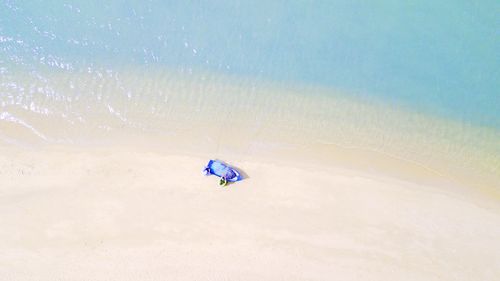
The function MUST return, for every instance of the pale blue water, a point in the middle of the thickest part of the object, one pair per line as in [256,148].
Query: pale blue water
[437,57]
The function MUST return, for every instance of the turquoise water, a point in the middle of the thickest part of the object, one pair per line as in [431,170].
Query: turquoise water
[435,57]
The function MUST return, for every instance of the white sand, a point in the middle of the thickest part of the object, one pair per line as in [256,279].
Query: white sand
[95,214]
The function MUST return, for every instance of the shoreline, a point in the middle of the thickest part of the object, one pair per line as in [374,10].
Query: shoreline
[214,114]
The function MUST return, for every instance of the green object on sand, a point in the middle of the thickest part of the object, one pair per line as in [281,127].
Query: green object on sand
[222,181]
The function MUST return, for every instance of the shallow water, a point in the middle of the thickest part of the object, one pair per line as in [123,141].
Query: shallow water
[438,57]
[417,81]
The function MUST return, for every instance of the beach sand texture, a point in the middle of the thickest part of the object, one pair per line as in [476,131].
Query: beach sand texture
[124,213]
[369,131]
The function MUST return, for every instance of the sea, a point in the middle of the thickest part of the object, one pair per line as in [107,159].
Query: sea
[415,80]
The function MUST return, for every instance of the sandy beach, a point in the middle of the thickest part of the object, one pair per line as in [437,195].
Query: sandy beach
[131,214]
[368,132]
